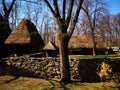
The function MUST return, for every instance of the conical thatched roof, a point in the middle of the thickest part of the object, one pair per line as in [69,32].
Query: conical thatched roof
[25,33]
[50,46]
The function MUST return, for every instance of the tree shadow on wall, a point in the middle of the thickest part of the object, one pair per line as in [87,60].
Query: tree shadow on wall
[6,69]
[87,70]
[88,67]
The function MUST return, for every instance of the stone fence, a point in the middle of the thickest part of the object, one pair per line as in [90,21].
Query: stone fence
[81,69]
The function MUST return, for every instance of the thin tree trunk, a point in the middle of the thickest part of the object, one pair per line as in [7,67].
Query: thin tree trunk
[65,70]
[94,44]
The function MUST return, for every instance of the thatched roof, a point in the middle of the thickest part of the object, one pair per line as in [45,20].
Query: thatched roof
[25,33]
[82,41]
[50,46]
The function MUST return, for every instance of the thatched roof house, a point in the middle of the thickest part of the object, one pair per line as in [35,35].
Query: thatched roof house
[83,43]
[25,37]
[51,49]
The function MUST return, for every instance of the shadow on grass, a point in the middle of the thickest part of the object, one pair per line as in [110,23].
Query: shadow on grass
[8,80]
[115,87]
[56,84]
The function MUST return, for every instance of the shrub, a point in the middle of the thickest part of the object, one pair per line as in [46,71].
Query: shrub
[104,70]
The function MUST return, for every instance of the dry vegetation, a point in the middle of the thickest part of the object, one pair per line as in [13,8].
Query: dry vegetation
[25,83]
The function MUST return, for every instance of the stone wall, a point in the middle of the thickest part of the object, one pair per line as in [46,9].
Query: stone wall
[81,69]
[30,66]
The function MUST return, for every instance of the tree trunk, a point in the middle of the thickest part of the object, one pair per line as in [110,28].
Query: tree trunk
[4,33]
[65,68]
[4,29]
[94,44]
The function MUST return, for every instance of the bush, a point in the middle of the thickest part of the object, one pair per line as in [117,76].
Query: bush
[104,70]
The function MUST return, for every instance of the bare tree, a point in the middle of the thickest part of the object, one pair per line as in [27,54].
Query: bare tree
[106,29]
[4,20]
[36,14]
[46,24]
[14,16]
[28,10]
[116,27]
[93,10]
[109,27]
[66,25]
[82,26]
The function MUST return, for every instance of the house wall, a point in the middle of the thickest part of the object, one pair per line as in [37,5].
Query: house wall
[51,53]
[4,50]
[86,51]
[81,69]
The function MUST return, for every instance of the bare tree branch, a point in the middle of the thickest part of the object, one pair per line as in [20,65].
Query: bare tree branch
[4,6]
[56,8]
[69,12]
[30,1]
[50,7]
[11,6]
[7,12]
[75,18]
[64,7]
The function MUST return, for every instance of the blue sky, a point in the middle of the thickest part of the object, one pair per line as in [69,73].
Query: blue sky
[114,6]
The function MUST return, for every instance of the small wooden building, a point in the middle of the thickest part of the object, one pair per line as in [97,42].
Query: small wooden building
[25,38]
[50,49]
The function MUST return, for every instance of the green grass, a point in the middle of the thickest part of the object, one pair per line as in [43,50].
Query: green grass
[25,83]
[93,86]
[93,57]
